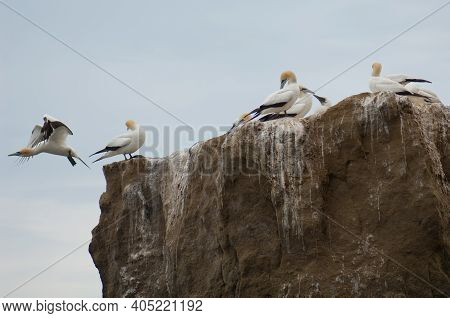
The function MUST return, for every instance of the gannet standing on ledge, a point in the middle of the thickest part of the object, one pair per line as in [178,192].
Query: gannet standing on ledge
[399,78]
[124,144]
[49,140]
[300,108]
[282,99]
[378,83]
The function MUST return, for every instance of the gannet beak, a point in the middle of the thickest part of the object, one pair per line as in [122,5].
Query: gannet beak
[18,154]
[283,82]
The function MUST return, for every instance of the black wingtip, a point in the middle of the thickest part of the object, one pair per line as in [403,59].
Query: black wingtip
[418,80]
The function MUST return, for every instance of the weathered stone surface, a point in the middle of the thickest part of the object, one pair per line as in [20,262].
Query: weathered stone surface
[351,203]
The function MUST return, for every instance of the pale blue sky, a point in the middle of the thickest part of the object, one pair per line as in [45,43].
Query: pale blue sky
[204,61]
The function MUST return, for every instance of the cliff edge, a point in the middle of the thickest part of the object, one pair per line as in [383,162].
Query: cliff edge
[351,203]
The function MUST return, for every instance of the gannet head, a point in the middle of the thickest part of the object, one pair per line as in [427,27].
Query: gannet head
[287,77]
[131,124]
[24,152]
[245,117]
[303,89]
[376,69]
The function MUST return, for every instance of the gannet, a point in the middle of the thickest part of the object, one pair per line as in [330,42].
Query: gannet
[239,121]
[399,78]
[417,89]
[378,83]
[325,103]
[300,108]
[54,144]
[124,144]
[282,99]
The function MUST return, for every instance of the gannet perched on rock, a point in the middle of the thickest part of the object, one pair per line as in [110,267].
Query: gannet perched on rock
[241,119]
[124,144]
[300,108]
[282,99]
[378,83]
[399,78]
[50,139]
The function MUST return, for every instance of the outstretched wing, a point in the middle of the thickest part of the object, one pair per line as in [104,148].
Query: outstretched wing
[51,125]
[36,137]
[60,134]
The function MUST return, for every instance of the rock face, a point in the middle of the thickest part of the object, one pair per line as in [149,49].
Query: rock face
[350,203]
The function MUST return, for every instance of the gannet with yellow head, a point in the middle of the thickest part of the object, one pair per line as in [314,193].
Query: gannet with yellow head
[55,144]
[126,143]
[399,78]
[281,100]
[378,83]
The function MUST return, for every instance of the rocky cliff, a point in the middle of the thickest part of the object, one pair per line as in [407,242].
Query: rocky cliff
[351,203]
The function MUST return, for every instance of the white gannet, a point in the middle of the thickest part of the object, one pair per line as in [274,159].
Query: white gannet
[417,89]
[399,78]
[325,103]
[51,141]
[124,144]
[239,121]
[300,108]
[282,99]
[378,83]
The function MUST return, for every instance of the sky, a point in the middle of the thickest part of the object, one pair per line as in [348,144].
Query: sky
[205,62]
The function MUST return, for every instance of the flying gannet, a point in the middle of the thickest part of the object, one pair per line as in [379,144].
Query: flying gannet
[378,83]
[49,140]
[124,144]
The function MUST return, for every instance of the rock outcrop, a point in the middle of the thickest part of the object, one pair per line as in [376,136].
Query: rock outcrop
[351,203]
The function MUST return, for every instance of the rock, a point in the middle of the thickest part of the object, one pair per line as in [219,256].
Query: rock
[350,203]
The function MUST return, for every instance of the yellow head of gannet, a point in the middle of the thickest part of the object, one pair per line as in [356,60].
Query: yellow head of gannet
[245,117]
[24,152]
[376,69]
[131,124]
[287,77]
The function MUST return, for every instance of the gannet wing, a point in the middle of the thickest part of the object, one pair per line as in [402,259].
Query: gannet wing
[59,134]
[278,99]
[404,79]
[36,136]
[115,144]
[51,125]
[119,142]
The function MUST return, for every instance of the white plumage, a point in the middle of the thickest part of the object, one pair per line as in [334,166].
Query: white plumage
[417,89]
[51,140]
[127,143]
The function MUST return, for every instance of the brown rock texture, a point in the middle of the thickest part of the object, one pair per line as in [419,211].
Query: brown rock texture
[350,203]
